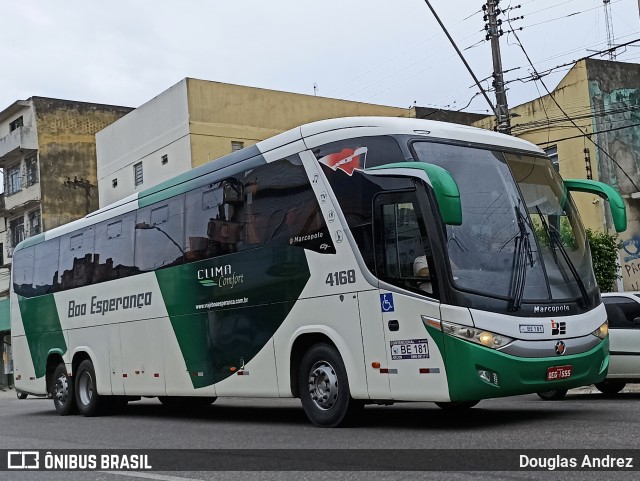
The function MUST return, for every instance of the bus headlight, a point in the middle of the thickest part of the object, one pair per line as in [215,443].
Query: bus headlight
[479,336]
[602,331]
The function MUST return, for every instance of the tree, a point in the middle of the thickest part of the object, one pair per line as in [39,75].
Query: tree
[604,253]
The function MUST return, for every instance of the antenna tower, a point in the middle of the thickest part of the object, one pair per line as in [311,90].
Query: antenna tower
[609,24]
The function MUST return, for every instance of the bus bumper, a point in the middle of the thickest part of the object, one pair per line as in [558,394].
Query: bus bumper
[477,372]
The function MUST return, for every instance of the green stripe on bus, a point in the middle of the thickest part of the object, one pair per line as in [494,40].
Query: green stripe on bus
[42,328]
[224,310]
[515,375]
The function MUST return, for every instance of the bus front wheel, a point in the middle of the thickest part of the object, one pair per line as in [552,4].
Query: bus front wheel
[324,388]
[62,391]
[610,387]
[89,402]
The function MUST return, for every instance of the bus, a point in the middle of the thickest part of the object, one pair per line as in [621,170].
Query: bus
[345,262]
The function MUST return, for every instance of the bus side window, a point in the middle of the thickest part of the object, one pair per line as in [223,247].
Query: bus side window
[76,259]
[403,256]
[212,220]
[45,277]
[160,235]
[23,271]
[283,209]
[113,253]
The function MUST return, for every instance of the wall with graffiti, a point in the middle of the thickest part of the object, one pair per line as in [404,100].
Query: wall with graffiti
[614,89]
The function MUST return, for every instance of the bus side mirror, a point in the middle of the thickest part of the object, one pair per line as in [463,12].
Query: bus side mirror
[618,210]
[447,194]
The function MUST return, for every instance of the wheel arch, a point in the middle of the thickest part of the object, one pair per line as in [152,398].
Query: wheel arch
[54,359]
[308,336]
[82,353]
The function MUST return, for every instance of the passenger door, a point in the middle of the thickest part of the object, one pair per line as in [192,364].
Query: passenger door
[415,364]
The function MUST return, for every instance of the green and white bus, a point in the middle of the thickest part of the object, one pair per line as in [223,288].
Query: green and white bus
[290,269]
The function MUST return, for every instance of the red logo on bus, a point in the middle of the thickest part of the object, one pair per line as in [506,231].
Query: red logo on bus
[346,160]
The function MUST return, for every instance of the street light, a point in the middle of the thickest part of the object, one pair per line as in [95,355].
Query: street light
[145,226]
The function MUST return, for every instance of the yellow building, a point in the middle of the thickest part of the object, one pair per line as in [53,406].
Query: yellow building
[196,121]
[600,141]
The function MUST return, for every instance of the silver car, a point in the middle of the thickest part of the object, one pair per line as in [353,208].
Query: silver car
[623,312]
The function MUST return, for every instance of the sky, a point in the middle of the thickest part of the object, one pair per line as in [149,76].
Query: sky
[393,52]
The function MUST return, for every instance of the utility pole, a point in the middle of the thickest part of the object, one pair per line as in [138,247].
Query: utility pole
[494,32]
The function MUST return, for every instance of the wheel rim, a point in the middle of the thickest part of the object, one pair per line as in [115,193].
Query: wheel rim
[62,389]
[323,385]
[85,388]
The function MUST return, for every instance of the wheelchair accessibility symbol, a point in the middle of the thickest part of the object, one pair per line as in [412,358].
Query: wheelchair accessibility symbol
[386,302]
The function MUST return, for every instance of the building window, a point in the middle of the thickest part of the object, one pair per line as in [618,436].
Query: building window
[1,254]
[236,145]
[552,153]
[137,173]
[16,231]
[34,223]
[165,159]
[31,170]
[16,124]
[12,180]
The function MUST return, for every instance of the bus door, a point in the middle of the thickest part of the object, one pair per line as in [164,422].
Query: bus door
[404,260]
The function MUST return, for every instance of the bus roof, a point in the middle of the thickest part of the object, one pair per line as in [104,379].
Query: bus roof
[309,136]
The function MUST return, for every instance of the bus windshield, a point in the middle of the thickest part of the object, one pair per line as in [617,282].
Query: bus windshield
[520,237]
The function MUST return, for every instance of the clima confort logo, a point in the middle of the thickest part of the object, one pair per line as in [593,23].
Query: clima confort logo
[222,276]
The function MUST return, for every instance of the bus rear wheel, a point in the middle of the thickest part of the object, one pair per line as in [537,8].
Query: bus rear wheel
[89,402]
[62,391]
[324,388]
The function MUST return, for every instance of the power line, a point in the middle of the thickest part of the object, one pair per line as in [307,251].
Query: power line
[613,129]
[569,118]
[546,72]
[462,57]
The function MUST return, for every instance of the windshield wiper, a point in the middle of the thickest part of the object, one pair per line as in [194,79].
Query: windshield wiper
[521,252]
[556,241]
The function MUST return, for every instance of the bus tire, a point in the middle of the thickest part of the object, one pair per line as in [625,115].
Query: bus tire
[62,391]
[324,388]
[89,402]
[556,395]
[610,387]
[456,405]
[21,395]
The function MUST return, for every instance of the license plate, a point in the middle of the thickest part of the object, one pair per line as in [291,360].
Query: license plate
[410,349]
[558,372]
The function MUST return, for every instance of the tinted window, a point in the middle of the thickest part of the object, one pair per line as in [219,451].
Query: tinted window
[271,205]
[113,254]
[46,275]
[355,195]
[621,312]
[403,257]
[213,221]
[160,235]
[76,259]
[23,271]
[359,152]
[284,209]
